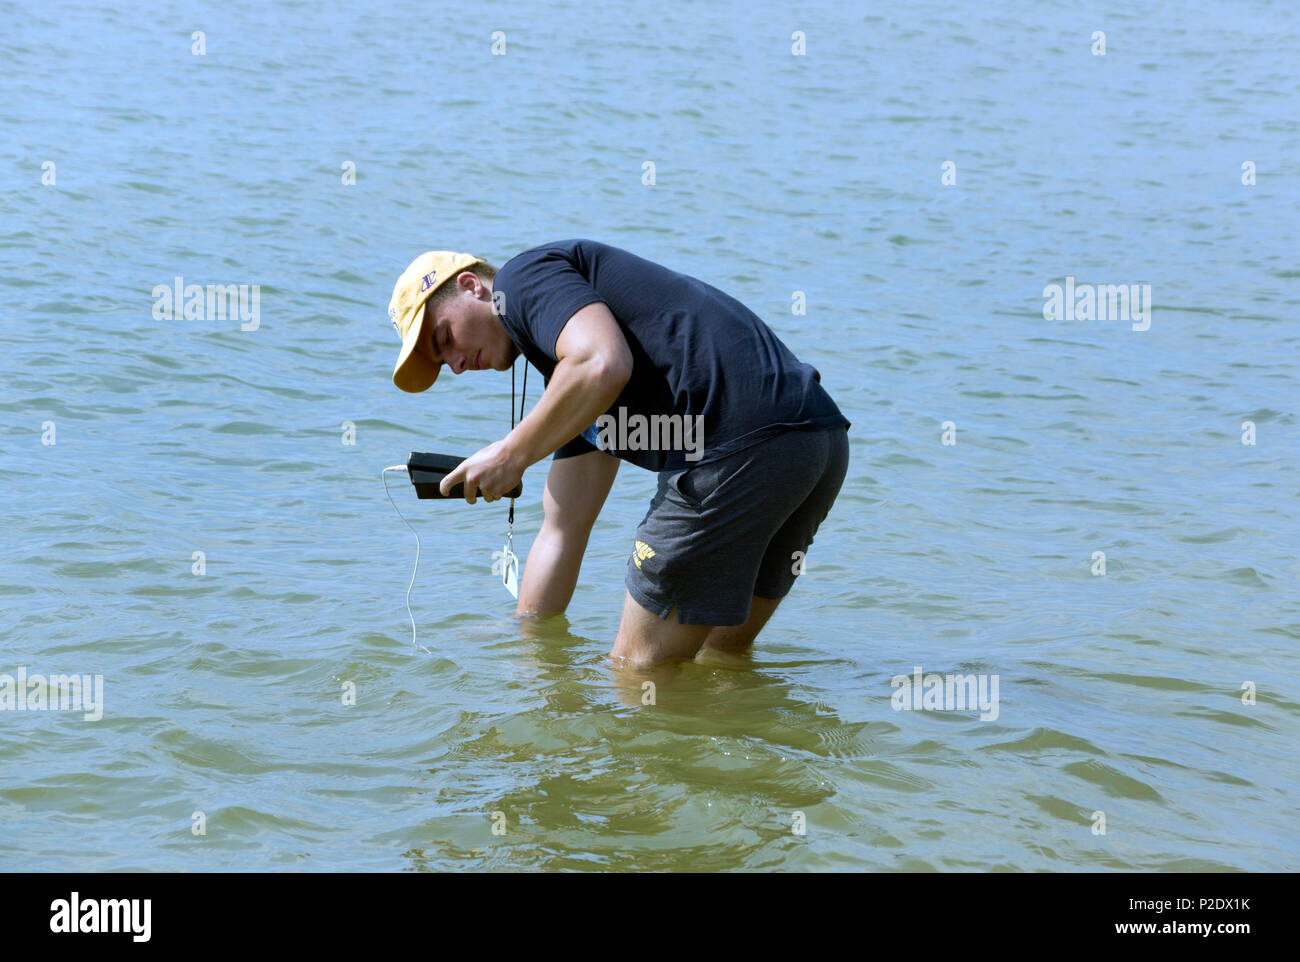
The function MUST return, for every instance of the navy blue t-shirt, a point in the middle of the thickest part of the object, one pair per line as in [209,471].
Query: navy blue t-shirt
[698,354]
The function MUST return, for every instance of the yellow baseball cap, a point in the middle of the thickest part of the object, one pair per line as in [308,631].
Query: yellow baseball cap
[416,371]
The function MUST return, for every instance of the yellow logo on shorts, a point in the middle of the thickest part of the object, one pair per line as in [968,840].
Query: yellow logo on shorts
[643,551]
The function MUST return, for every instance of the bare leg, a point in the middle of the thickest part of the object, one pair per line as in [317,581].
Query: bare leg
[645,639]
[739,637]
[576,489]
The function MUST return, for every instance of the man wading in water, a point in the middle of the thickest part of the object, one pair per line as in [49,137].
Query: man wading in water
[756,454]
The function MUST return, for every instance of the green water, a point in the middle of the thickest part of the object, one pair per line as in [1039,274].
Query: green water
[226,692]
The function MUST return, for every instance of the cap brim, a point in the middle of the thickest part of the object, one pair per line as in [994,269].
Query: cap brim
[414,371]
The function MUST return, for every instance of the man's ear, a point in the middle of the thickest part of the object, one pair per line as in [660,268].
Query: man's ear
[426,334]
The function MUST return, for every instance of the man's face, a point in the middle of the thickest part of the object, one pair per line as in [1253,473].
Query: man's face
[464,333]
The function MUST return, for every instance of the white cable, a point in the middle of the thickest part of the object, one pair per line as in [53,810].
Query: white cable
[384,475]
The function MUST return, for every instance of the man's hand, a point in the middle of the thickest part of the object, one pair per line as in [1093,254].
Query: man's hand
[491,472]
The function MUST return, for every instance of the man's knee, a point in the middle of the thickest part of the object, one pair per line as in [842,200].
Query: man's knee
[645,638]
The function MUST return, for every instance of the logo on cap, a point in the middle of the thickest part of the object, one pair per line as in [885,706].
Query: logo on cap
[428,281]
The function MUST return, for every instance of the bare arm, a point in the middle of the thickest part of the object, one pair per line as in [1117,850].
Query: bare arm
[576,489]
[594,364]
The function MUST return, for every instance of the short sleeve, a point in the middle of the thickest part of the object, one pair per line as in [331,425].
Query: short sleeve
[584,442]
[542,291]
[573,448]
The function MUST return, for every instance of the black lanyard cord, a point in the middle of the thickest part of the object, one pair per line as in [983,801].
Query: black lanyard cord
[522,396]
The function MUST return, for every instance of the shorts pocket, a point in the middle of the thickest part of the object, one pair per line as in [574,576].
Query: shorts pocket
[696,485]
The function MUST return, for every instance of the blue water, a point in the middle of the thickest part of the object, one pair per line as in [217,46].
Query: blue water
[1120,694]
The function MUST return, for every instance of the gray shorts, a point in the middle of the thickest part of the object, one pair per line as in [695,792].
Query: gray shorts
[721,532]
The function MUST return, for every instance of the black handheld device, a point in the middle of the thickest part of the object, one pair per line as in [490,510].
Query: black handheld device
[427,471]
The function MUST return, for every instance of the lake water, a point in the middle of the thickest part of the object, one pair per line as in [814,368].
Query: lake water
[1120,695]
